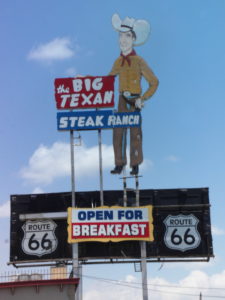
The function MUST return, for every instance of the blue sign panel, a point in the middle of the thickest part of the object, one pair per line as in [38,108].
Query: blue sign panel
[92,120]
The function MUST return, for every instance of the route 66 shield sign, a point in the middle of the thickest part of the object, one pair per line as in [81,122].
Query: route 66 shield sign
[181,232]
[39,237]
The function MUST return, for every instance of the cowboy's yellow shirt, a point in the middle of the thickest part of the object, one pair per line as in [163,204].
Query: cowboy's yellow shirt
[130,76]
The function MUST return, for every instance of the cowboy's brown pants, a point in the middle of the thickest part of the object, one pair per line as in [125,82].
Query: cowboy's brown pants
[120,140]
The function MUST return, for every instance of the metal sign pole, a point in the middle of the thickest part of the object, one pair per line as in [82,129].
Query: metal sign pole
[74,245]
[143,251]
[124,188]
[100,166]
[144,271]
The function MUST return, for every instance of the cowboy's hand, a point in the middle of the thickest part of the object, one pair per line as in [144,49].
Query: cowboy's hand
[139,103]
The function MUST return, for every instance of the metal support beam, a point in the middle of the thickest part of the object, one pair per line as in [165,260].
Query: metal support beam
[144,271]
[143,251]
[124,187]
[89,261]
[44,216]
[74,245]
[100,166]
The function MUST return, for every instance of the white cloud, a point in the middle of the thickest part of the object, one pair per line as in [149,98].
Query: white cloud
[217,231]
[199,265]
[57,49]
[147,164]
[160,289]
[172,158]
[5,210]
[101,289]
[49,163]
[72,72]
[38,190]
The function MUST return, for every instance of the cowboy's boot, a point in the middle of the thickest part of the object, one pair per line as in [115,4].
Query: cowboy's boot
[117,170]
[135,170]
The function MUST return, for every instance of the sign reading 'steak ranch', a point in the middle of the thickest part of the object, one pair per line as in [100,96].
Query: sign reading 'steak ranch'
[105,224]
[84,92]
[90,120]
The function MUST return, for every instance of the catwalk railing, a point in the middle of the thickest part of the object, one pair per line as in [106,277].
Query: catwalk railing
[34,275]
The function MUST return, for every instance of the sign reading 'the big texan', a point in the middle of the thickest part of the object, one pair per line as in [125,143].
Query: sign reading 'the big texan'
[104,224]
[84,92]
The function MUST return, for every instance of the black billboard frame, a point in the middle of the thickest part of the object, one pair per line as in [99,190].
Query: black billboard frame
[180,201]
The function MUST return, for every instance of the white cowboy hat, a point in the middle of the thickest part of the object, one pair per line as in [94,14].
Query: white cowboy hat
[141,28]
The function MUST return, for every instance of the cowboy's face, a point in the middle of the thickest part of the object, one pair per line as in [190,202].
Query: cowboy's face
[126,40]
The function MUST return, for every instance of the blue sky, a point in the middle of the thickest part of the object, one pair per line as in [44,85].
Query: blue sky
[183,123]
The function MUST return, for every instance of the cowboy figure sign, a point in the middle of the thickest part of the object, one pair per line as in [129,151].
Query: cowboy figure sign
[130,69]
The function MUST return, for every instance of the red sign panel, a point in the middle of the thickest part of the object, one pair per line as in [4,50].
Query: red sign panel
[84,92]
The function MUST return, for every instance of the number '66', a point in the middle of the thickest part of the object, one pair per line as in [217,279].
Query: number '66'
[177,239]
[34,244]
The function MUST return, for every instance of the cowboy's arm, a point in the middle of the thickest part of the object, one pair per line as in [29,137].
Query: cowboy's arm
[150,78]
[152,81]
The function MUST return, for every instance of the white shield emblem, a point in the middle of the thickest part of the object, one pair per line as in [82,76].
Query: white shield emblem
[181,232]
[39,237]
